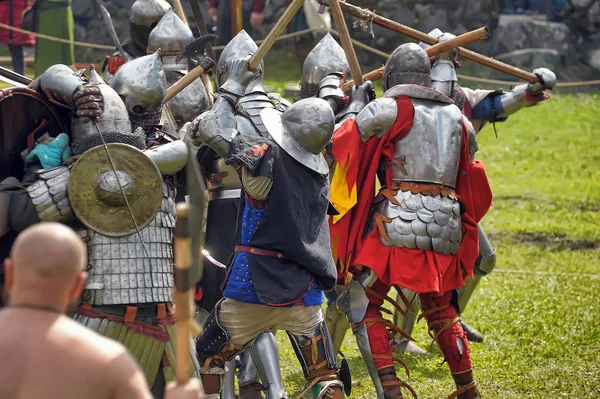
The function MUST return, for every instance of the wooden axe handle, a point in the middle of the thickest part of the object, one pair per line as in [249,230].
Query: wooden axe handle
[340,23]
[367,15]
[271,38]
[182,293]
[183,83]
[432,51]
[180,12]
[458,41]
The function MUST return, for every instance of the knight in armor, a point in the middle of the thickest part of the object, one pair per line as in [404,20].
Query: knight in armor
[324,71]
[225,191]
[481,107]
[279,271]
[144,16]
[420,231]
[170,36]
[119,197]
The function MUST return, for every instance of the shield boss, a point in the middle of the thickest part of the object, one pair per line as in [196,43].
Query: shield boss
[113,201]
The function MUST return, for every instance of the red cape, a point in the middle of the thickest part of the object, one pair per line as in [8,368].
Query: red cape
[421,271]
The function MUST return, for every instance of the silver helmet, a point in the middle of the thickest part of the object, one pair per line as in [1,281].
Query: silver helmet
[303,131]
[171,35]
[188,103]
[240,46]
[408,64]
[142,84]
[327,57]
[113,124]
[443,69]
[143,17]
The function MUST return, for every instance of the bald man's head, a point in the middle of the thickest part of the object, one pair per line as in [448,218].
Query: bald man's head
[49,257]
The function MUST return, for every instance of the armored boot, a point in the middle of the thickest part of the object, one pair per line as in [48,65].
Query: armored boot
[466,386]
[472,334]
[319,364]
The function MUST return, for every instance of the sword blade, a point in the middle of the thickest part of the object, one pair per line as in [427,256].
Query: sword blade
[106,18]
[13,78]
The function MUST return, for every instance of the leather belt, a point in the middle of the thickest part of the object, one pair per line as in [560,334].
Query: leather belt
[425,189]
[225,194]
[258,251]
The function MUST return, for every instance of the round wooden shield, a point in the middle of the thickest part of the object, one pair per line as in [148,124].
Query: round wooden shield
[25,115]
[115,189]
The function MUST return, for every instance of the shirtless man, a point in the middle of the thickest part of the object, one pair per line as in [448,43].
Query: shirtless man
[46,354]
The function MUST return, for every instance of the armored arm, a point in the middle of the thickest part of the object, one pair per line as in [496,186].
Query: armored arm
[63,85]
[472,140]
[361,96]
[377,118]
[217,127]
[330,90]
[527,95]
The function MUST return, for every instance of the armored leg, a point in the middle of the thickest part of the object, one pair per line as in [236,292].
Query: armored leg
[214,350]
[406,324]
[445,328]
[337,321]
[319,363]
[228,384]
[363,300]
[483,266]
[265,354]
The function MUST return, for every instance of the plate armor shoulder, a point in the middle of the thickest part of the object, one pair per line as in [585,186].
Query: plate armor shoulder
[133,269]
[250,106]
[377,118]
[49,195]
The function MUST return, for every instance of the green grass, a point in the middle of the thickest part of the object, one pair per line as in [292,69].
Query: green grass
[539,309]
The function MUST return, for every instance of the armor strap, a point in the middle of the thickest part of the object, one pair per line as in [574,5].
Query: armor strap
[226,352]
[463,389]
[258,251]
[391,327]
[393,381]
[426,189]
[439,326]
[395,304]
[380,220]
[432,310]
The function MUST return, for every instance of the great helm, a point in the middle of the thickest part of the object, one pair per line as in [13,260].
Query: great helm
[143,17]
[303,131]
[443,69]
[408,64]
[239,47]
[326,58]
[142,85]
[170,36]
[113,124]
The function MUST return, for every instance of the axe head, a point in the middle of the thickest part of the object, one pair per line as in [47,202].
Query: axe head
[196,49]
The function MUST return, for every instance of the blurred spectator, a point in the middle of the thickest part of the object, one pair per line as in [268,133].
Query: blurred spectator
[253,12]
[10,14]
[520,6]
[54,18]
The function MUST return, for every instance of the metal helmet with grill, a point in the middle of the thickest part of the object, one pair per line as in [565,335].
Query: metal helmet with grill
[239,47]
[303,131]
[142,85]
[326,58]
[443,70]
[170,36]
[113,126]
[143,17]
[408,64]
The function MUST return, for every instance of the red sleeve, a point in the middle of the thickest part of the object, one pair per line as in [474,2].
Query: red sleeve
[259,6]
[213,3]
